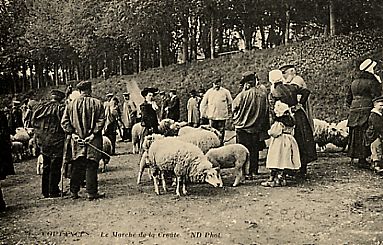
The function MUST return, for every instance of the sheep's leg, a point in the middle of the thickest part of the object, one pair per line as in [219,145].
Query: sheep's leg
[163,182]
[155,181]
[184,191]
[238,172]
[142,166]
[178,186]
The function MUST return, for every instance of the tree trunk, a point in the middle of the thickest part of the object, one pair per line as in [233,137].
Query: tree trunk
[185,41]
[56,74]
[121,62]
[263,39]
[287,27]
[139,58]
[30,76]
[212,38]
[220,38]
[24,70]
[160,48]
[91,74]
[332,18]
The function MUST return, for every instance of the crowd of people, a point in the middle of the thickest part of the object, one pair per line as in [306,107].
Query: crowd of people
[69,134]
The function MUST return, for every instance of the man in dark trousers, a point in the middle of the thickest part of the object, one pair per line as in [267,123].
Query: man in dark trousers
[84,119]
[251,118]
[46,121]
[173,108]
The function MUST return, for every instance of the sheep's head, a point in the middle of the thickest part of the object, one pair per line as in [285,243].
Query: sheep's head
[213,177]
[211,129]
[168,127]
[149,139]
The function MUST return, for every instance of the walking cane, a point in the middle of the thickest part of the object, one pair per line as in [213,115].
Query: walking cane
[63,166]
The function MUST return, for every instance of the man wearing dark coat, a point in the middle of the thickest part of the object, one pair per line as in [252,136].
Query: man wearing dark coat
[251,118]
[303,134]
[6,164]
[360,95]
[173,107]
[16,117]
[50,137]
[83,120]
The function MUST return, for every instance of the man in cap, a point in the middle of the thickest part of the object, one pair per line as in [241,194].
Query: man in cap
[374,134]
[173,108]
[215,106]
[290,76]
[129,115]
[50,138]
[251,118]
[362,91]
[84,119]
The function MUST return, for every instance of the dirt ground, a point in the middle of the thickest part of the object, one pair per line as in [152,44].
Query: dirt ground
[338,204]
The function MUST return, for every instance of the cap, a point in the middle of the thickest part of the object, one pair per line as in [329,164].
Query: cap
[285,67]
[125,93]
[84,85]
[366,65]
[173,91]
[248,77]
[58,93]
[193,92]
[109,95]
[378,99]
[16,102]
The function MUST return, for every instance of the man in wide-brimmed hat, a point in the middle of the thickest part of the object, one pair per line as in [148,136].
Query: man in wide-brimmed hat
[50,137]
[362,91]
[215,106]
[251,118]
[84,119]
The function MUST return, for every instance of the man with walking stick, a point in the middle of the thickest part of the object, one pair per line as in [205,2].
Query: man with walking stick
[84,119]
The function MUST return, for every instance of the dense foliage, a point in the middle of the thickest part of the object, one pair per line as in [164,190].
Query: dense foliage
[47,42]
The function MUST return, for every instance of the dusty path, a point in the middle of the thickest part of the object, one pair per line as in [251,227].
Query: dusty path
[339,204]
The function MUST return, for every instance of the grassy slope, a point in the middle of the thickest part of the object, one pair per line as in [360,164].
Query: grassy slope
[327,64]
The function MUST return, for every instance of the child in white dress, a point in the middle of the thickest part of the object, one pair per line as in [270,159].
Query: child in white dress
[283,150]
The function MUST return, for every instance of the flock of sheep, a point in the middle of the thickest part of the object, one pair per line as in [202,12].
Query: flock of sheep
[186,153]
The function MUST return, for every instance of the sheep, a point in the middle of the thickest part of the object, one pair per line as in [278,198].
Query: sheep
[325,133]
[22,135]
[17,151]
[106,147]
[39,164]
[166,127]
[184,160]
[203,137]
[231,156]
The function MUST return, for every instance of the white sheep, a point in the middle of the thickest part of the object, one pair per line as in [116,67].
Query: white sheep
[166,127]
[184,160]
[204,138]
[235,156]
[325,133]
[17,151]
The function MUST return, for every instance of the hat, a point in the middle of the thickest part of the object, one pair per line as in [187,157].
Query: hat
[173,91]
[247,77]
[16,102]
[367,65]
[201,90]
[162,92]
[285,67]
[193,92]
[280,108]
[125,93]
[109,95]
[275,76]
[147,90]
[378,99]
[84,85]
[217,80]
[60,94]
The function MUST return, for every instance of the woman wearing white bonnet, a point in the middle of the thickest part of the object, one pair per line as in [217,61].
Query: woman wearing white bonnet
[288,94]
[362,91]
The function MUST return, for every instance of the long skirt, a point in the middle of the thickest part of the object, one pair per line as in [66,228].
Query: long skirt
[283,153]
[357,146]
[304,136]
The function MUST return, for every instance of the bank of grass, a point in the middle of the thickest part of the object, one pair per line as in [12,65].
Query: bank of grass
[328,65]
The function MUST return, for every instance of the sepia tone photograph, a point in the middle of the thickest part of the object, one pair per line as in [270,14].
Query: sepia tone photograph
[207,122]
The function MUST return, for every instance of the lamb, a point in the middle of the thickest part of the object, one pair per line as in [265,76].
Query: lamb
[231,156]
[22,136]
[137,131]
[184,160]
[106,147]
